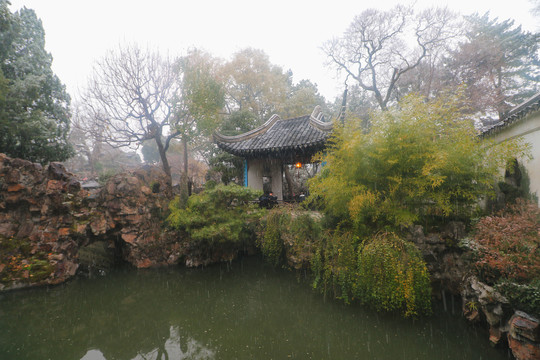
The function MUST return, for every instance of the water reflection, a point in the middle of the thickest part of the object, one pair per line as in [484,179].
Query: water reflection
[93,354]
[174,348]
[247,311]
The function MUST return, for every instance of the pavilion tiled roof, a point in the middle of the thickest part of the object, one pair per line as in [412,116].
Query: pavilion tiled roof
[303,135]
[517,113]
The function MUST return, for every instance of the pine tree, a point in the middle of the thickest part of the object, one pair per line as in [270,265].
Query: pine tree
[499,64]
[34,111]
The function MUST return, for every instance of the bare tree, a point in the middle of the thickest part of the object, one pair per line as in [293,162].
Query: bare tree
[93,156]
[375,50]
[130,97]
[86,136]
[428,79]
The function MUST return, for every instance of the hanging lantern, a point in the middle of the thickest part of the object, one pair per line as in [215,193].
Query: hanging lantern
[298,165]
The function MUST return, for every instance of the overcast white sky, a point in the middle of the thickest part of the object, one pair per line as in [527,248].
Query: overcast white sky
[291,32]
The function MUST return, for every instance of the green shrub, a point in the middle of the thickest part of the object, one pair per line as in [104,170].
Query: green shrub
[317,267]
[270,240]
[339,259]
[224,213]
[516,184]
[385,272]
[292,231]
[521,296]
[419,161]
[304,229]
[392,276]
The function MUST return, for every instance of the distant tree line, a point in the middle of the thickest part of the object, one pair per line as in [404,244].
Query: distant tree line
[389,54]
[138,97]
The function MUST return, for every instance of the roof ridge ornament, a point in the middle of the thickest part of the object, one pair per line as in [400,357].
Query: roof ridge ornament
[316,119]
[273,118]
[317,113]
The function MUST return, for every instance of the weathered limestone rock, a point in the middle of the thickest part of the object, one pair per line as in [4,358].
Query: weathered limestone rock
[450,270]
[35,223]
[444,259]
[133,213]
[46,218]
[523,325]
[489,305]
[48,222]
[524,336]
[495,335]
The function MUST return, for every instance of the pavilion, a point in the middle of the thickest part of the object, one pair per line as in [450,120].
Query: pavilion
[268,148]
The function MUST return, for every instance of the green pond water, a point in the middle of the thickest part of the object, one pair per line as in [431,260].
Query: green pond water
[243,310]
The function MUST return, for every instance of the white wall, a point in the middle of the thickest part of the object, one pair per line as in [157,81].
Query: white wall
[529,128]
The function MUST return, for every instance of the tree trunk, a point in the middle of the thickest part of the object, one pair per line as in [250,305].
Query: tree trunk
[184,147]
[185,183]
[163,156]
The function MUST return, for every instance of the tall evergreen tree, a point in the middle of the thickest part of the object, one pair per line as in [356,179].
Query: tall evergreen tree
[498,63]
[34,104]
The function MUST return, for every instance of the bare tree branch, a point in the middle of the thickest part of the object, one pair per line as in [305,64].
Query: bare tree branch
[129,95]
[375,49]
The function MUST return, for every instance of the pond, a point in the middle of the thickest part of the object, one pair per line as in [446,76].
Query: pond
[243,310]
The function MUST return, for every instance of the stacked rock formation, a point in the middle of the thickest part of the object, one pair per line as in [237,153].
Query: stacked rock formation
[47,220]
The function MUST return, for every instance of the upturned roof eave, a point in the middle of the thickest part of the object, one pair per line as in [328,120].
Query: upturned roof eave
[279,136]
[314,120]
[517,113]
[311,147]
[247,135]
